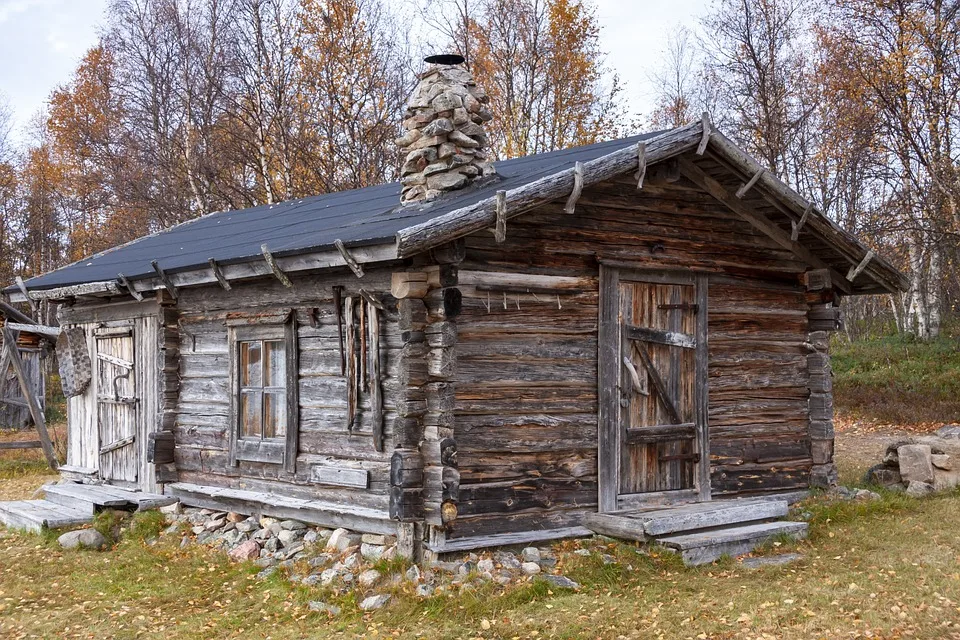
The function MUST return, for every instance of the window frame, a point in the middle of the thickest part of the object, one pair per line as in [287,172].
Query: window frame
[279,450]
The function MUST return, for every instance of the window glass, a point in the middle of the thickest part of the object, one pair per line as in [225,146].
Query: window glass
[275,364]
[250,414]
[274,414]
[250,364]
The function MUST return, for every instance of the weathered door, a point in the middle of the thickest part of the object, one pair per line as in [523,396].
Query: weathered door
[653,377]
[117,406]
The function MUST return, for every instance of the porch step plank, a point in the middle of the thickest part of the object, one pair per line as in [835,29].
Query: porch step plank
[91,494]
[35,515]
[707,546]
[706,515]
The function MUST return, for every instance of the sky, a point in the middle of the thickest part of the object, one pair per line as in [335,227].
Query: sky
[41,42]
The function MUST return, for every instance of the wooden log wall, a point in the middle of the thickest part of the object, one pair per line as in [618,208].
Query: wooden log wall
[526,385]
[335,463]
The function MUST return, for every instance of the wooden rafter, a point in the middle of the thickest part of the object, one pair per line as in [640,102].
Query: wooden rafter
[696,175]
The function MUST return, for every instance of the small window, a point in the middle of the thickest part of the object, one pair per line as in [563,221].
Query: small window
[265,404]
[263,389]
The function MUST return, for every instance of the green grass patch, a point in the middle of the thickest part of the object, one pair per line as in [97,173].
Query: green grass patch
[146,525]
[898,380]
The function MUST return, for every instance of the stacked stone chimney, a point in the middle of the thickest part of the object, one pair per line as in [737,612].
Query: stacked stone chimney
[444,141]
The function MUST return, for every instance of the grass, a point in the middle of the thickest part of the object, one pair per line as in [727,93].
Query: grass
[896,380]
[887,568]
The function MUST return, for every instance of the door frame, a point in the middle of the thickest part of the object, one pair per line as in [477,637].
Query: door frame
[609,378]
[121,329]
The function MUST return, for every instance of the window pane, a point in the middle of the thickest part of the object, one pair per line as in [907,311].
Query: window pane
[274,415]
[250,414]
[275,364]
[250,364]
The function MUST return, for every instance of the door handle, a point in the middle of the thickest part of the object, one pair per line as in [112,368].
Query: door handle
[635,377]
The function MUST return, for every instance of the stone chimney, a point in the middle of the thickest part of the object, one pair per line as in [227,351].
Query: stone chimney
[445,142]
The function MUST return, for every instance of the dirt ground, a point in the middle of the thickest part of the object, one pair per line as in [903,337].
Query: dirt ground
[860,444]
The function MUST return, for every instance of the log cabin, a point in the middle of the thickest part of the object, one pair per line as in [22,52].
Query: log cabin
[481,354]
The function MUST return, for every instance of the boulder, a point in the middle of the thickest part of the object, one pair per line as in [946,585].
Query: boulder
[919,489]
[374,602]
[323,607]
[530,568]
[371,552]
[562,581]
[83,539]
[485,566]
[945,480]
[942,461]
[916,464]
[341,539]
[288,537]
[249,550]
[949,431]
[368,578]
[883,476]
[530,554]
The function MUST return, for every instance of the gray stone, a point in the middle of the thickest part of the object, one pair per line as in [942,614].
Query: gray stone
[289,537]
[374,602]
[438,127]
[348,578]
[424,590]
[883,476]
[368,578]
[530,568]
[323,607]
[582,552]
[83,539]
[865,494]
[311,536]
[272,544]
[205,537]
[352,561]
[327,576]
[530,554]
[311,580]
[916,464]
[215,523]
[321,559]
[341,539]
[266,521]
[447,181]
[949,431]
[248,526]
[608,559]
[378,538]
[293,525]
[507,560]
[485,565]
[275,528]
[371,552]
[945,480]
[261,534]
[267,572]
[413,574]
[197,530]
[466,568]
[783,558]
[291,552]
[561,581]
[324,534]
[941,461]
[548,563]
[172,529]
[174,509]
[919,489]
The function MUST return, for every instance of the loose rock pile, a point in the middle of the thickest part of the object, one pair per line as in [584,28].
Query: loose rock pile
[341,561]
[921,465]
[445,142]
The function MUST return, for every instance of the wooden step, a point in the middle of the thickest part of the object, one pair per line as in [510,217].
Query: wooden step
[644,524]
[104,495]
[706,515]
[708,546]
[36,515]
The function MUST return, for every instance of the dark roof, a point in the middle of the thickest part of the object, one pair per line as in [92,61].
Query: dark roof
[359,217]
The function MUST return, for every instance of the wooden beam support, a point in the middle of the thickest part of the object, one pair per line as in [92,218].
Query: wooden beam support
[500,231]
[795,227]
[13,356]
[409,284]
[277,271]
[758,221]
[51,332]
[742,191]
[12,313]
[348,258]
[371,299]
[129,287]
[705,137]
[571,206]
[858,269]
[165,279]
[23,289]
[218,274]
[641,163]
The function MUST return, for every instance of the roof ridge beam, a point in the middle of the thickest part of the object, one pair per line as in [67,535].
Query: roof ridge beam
[481,215]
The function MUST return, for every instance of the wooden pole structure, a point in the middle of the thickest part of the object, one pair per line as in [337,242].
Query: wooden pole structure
[13,356]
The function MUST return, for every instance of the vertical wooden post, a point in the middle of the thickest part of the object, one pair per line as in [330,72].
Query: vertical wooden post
[13,355]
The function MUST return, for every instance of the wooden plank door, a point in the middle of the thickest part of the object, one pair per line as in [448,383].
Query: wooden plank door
[653,358]
[117,406]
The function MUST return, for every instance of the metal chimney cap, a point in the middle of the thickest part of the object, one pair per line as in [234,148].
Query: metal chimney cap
[445,58]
